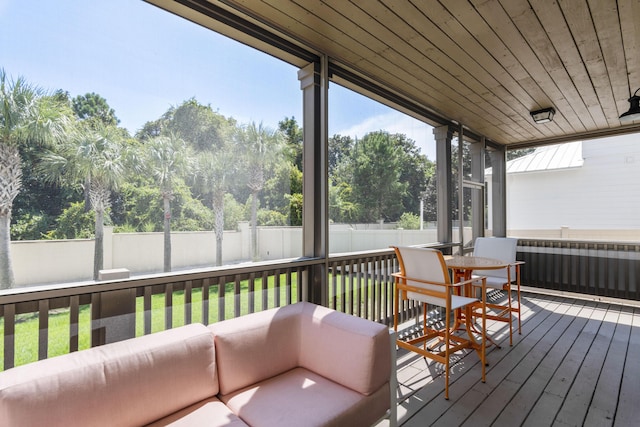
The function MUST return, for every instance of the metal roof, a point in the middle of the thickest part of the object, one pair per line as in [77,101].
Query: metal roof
[545,158]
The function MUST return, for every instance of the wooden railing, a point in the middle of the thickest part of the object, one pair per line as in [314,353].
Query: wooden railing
[40,322]
[96,313]
[609,269]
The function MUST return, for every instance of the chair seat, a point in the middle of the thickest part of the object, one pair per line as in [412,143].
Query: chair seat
[456,301]
[493,282]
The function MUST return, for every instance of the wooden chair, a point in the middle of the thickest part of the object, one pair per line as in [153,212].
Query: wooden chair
[424,278]
[504,249]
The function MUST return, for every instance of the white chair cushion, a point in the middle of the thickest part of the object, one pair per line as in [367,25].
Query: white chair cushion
[456,301]
[495,282]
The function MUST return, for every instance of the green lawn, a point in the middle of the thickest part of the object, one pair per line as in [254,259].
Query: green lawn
[26,344]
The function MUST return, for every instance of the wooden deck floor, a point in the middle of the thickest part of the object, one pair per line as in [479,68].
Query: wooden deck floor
[577,363]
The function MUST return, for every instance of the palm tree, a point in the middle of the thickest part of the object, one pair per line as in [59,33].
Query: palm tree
[92,156]
[261,148]
[165,159]
[29,117]
[213,171]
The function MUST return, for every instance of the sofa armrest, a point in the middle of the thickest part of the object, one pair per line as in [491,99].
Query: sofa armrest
[346,349]
[132,382]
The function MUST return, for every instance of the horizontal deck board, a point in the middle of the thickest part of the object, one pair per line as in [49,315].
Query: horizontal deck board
[576,363]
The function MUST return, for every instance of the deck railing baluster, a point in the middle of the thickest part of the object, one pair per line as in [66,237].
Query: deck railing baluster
[288,287]
[205,300]
[343,287]
[276,288]
[9,316]
[43,329]
[168,306]
[252,292]
[147,309]
[187,302]
[264,290]
[222,287]
[74,323]
[236,297]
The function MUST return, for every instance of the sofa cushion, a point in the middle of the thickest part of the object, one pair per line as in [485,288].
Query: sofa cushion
[341,347]
[132,382]
[255,347]
[302,398]
[210,412]
[349,350]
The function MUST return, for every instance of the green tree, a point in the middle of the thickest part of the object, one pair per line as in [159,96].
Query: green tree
[415,171]
[284,183]
[376,184]
[139,208]
[409,221]
[29,117]
[209,134]
[295,209]
[39,203]
[340,152]
[342,208]
[95,113]
[233,212]
[293,138]
[213,172]
[199,125]
[30,227]
[94,156]
[514,154]
[431,198]
[165,158]
[271,218]
[93,107]
[261,148]
[74,223]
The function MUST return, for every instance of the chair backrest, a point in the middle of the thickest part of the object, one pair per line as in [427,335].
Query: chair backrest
[502,248]
[423,264]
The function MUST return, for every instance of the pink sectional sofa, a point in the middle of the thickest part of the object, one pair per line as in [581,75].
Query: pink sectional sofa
[299,365]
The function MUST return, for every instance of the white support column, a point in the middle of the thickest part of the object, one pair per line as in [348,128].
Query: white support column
[314,83]
[499,192]
[443,136]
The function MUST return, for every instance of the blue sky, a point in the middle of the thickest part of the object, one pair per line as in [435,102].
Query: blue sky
[143,60]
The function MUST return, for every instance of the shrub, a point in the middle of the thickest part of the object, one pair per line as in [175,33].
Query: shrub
[74,223]
[31,226]
[409,221]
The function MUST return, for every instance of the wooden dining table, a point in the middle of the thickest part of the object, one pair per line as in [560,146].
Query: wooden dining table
[462,268]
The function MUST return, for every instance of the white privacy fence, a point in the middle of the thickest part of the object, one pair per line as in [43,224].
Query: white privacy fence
[62,261]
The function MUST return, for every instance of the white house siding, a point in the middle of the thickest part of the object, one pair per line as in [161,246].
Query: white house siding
[601,194]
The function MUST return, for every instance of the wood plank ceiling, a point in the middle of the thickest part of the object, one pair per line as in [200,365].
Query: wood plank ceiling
[483,63]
